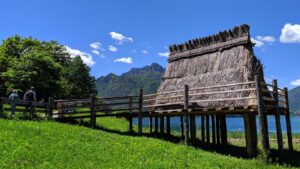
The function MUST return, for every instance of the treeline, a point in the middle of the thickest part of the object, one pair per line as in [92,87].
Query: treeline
[26,62]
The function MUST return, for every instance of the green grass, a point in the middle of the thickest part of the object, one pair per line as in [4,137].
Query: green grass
[29,144]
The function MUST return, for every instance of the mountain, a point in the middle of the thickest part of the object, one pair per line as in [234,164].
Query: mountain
[129,83]
[294,100]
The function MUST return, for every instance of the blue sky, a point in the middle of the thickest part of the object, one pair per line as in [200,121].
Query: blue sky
[116,35]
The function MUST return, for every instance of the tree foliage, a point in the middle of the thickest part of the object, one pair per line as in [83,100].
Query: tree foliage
[26,62]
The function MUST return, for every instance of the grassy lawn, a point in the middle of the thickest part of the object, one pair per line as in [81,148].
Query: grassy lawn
[29,144]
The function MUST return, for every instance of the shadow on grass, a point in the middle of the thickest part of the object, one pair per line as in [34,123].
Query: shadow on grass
[290,158]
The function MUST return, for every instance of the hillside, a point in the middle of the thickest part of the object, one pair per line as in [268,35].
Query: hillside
[129,83]
[294,99]
[27,144]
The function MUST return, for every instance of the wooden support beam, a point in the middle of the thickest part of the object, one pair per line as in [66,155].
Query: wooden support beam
[1,108]
[213,129]
[202,128]
[263,124]
[223,127]
[140,117]
[162,124]
[250,134]
[218,128]
[193,128]
[186,119]
[93,112]
[150,122]
[207,129]
[168,125]
[181,127]
[156,124]
[288,120]
[130,118]
[277,120]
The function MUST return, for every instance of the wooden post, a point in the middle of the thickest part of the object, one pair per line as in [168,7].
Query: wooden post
[162,125]
[263,125]
[223,127]
[277,120]
[181,127]
[185,110]
[202,128]
[93,112]
[207,128]
[156,123]
[130,116]
[288,120]
[50,108]
[168,125]
[213,129]
[250,133]
[140,114]
[1,108]
[193,128]
[150,122]
[218,128]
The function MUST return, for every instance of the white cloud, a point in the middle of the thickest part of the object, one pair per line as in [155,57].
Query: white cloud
[96,52]
[96,45]
[112,48]
[290,33]
[165,54]
[127,60]
[120,38]
[261,41]
[145,52]
[86,57]
[296,82]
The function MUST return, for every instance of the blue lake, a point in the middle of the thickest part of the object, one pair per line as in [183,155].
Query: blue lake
[236,123]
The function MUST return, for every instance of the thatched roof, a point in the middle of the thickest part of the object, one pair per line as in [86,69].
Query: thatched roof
[220,59]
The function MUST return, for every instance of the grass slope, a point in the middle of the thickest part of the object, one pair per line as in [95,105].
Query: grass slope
[28,144]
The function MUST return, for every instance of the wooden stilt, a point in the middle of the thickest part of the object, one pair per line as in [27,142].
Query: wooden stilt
[202,128]
[162,125]
[130,118]
[150,123]
[218,128]
[250,134]
[93,112]
[288,120]
[168,125]
[186,120]
[223,127]
[193,128]
[181,126]
[140,117]
[156,124]
[207,129]
[213,129]
[277,120]
[263,125]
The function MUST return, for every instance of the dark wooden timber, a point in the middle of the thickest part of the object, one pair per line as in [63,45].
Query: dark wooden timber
[50,108]
[162,125]
[150,123]
[207,128]
[277,120]
[93,112]
[213,129]
[168,125]
[181,126]
[156,124]
[193,128]
[202,128]
[250,134]
[140,118]
[186,118]
[130,119]
[218,128]
[288,120]
[263,125]
[223,127]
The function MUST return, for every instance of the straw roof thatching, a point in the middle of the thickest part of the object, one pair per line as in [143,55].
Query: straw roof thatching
[220,59]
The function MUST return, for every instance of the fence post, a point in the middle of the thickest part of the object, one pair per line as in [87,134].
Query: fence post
[130,116]
[186,119]
[93,113]
[288,120]
[263,125]
[277,119]
[1,108]
[202,128]
[140,114]
[50,108]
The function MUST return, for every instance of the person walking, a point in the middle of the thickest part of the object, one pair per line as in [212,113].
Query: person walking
[14,97]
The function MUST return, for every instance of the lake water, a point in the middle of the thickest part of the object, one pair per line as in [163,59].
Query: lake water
[236,123]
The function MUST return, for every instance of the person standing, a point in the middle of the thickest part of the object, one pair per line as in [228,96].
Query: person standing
[13,97]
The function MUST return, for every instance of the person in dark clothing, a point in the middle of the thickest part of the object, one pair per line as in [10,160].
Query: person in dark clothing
[30,96]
